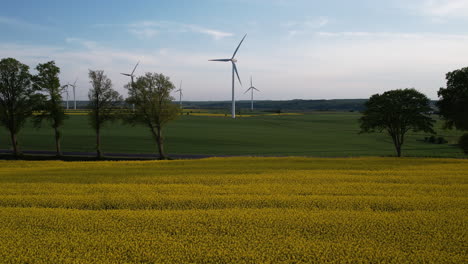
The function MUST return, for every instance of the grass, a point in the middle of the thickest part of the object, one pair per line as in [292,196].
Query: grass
[320,134]
[235,210]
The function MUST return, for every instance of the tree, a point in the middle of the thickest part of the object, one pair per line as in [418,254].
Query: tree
[453,102]
[17,98]
[103,100]
[52,110]
[397,112]
[154,105]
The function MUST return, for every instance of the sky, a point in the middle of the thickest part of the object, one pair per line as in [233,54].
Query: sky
[294,49]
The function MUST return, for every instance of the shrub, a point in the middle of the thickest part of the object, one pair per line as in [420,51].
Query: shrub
[463,143]
[441,140]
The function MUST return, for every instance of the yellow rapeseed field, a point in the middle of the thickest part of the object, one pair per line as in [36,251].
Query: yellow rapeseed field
[235,210]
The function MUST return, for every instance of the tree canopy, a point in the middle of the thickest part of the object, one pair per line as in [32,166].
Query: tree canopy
[52,110]
[103,100]
[397,112]
[17,98]
[154,106]
[453,103]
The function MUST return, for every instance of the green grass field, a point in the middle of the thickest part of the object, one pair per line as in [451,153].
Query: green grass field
[320,134]
[235,210]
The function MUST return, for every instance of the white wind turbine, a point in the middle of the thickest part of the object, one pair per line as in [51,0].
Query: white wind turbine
[251,89]
[131,78]
[66,91]
[180,94]
[234,71]
[74,93]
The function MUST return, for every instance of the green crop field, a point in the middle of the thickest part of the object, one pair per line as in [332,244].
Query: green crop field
[321,134]
[235,210]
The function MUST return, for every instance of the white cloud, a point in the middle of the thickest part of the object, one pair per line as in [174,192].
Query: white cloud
[83,42]
[306,26]
[149,29]
[439,11]
[144,33]
[445,8]
[211,32]
[21,24]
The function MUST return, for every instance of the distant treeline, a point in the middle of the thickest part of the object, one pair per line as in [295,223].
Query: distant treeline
[270,105]
[297,105]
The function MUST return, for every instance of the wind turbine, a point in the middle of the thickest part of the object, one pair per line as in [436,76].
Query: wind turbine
[131,77]
[74,94]
[66,91]
[251,89]
[180,94]
[234,71]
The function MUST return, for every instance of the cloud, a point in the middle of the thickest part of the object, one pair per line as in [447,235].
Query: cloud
[389,35]
[210,32]
[439,11]
[445,8]
[149,29]
[82,42]
[21,24]
[144,32]
[306,26]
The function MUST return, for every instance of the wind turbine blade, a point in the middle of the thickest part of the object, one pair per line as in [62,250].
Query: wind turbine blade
[235,52]
[225,60]
[251,81]
[126,74]
[256,89]
[180,87]
[235,69]
[135,68]
[247,90]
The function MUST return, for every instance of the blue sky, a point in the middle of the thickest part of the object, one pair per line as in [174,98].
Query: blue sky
[294,49]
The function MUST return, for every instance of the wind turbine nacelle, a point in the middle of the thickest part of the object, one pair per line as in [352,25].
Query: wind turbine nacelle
[234,60]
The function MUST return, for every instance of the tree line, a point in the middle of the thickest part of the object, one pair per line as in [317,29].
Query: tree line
[24,96]
[38,97]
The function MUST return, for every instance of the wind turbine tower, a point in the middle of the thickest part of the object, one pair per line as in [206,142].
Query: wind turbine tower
[74,93]
[131,78]
[233,60]
[180,94]
[66,91]
[251,89]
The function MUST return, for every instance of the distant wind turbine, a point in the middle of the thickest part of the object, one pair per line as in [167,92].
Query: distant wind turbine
[234,71]
[251,89]
[74,93]
[66,91]
[180,94]
[131,78]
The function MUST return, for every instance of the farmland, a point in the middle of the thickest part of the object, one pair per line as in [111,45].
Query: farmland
[235,210]
[319,134]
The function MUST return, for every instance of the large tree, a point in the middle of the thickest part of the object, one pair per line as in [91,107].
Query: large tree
[397,112]
[17,100]
[52,110]
[103,101]
[154,106]
[453,102]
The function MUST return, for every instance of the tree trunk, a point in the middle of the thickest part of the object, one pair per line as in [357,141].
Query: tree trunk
[14,143]
[398,149]
[98,143]
[396,143]
[159,140]
[57,142]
